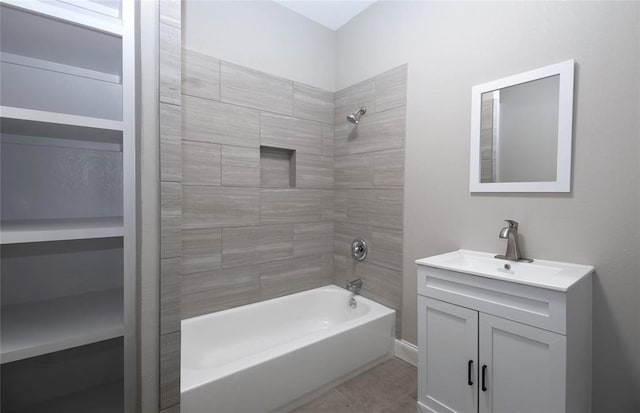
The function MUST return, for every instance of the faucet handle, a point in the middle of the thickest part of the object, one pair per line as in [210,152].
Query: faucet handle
[512,223]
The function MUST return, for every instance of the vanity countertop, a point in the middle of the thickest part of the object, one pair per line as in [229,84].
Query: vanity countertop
[553,275]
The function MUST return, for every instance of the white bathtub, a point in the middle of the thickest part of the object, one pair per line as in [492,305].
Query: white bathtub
[276,354]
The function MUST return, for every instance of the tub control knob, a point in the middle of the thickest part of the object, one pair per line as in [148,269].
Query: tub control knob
[359,249]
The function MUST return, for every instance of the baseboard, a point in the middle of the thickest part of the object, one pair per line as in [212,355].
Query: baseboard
[407,352]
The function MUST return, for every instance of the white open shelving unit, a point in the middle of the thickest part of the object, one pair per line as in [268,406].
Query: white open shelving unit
[33,329]
[67,205]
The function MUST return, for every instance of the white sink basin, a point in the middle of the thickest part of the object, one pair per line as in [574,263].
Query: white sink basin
[553,275]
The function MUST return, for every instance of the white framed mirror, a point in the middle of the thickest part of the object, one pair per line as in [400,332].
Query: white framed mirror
[521,132]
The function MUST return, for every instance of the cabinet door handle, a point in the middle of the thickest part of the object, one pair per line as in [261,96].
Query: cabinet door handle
[484,377]
[469,370]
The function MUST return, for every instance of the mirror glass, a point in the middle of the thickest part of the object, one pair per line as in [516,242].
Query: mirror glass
[521,132]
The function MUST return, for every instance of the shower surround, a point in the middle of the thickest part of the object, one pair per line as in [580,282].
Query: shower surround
[257,186]
[274,185]
[369,185]
[273,193]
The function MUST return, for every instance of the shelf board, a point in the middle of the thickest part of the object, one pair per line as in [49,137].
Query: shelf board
[107,398]
[16,232]
[70,14]
[36,328]
[42,123]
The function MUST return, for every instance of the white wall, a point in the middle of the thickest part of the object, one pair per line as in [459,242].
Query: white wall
[261,35]
[450,47]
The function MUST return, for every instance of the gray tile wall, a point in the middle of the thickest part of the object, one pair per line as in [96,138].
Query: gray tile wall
[369,185]
[249,236]
[246,234]
[171,176]
[229,237]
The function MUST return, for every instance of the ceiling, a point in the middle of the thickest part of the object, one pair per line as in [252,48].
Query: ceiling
[329,13]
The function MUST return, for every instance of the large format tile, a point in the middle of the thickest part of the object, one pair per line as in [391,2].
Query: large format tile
[352,98]
[379,387]
[327,205]
[330,402]
[170,219]
[201,250]
[170,66]
[205,120]
[169,369]
[345,232]
[380,284]
[210,291]
[380,131]
[340,270]
[170,138]
[240,166]
[390,387]
[314,238]
[361,207]
[354,171]
[386,248]
[328,139]
[170,292]
[314,171]
[312,103]
[200,163]
[340,205]
[290,205]
[391,89]
[406,404]
[200,75]
[388,168]
[388,211]
[343,131]
[257,244]
[379,207]
[286,132]
[288,276]
[255,89]
[208,207]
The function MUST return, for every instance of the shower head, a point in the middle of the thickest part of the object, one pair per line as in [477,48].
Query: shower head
[355,116]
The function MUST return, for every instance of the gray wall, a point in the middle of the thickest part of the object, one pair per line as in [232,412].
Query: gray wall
[369,185]
[597,223]
[247,234]
[264,36]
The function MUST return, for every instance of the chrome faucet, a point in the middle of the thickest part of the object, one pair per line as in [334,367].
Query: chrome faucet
[354,286]
[510,233]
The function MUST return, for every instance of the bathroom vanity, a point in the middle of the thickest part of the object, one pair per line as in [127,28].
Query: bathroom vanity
[502,336]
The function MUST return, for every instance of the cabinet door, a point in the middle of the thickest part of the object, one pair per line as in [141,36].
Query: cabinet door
[448,354]
[525,368]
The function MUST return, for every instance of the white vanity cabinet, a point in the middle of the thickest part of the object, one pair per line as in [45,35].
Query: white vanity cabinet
[489,342]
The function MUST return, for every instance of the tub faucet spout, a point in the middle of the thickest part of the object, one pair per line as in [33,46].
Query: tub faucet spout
[354,286]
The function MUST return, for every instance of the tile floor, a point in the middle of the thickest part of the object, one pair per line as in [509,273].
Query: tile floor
[388,388]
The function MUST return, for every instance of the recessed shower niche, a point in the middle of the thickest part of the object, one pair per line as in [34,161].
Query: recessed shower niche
[277,167]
